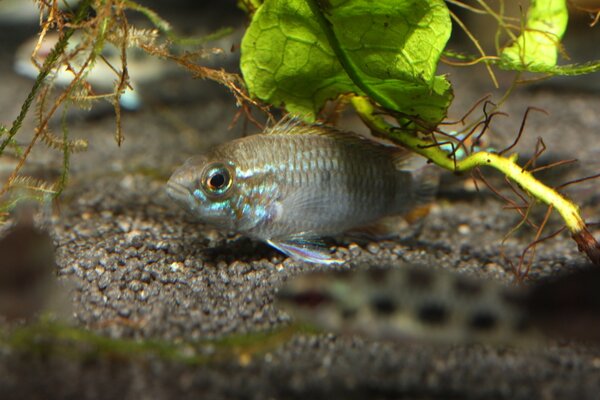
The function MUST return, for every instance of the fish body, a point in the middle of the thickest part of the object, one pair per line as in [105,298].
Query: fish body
[102,75]
[419,302]
[19,11]
[298,183]
[408,302]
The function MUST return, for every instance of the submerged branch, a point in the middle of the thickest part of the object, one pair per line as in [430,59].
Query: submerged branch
[505,164]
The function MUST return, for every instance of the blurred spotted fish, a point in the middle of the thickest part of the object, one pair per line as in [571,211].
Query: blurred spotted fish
[295,184]
[433,304]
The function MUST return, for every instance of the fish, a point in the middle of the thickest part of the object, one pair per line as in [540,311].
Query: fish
[296,183]
[102,76]
[142,69]
[418,302]
[27,12]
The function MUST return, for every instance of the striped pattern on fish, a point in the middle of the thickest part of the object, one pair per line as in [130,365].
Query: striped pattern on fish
[297,183]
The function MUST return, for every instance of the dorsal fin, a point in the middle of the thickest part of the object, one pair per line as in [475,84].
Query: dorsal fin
[425,176]
[295,126]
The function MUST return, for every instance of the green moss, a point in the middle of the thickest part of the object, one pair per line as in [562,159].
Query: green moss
[47,338]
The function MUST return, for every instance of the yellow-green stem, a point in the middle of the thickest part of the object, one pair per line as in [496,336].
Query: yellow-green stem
[507,165]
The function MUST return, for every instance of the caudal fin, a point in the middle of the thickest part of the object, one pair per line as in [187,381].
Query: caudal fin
[568,306]
[426,181]
[425,177]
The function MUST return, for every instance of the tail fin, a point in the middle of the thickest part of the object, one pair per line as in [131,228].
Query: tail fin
[426,180]
[568,306]
[425,176]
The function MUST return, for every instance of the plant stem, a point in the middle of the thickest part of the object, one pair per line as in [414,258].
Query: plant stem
[507,165]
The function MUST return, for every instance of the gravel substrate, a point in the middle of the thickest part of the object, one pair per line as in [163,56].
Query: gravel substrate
[140,268]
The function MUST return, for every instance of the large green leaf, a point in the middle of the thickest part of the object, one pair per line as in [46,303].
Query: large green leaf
[536,48]
[392,48]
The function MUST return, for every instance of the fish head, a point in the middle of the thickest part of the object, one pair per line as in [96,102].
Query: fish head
[205,185]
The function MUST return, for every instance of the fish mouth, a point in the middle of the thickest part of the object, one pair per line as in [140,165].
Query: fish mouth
[179,192]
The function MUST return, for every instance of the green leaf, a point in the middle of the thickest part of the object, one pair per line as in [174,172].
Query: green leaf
[387,50]
[537,47]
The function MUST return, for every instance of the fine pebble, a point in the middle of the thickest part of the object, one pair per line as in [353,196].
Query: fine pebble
[140,268]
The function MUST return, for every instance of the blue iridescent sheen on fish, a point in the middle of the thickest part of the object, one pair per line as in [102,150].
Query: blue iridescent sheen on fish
[295,184]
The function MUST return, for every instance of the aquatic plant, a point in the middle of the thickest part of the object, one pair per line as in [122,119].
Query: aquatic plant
[382,57]
[97,24]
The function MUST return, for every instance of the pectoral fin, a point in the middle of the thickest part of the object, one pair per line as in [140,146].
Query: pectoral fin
[305,250]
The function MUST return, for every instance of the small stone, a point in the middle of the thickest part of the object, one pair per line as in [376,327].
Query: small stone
[124,312]
[192,263]
[90,276]
[134,234]
[124,225]
[221,265]
[464,229]
[145,277]
[135,286]
[127,182]
[212,235]
[224,277]
[176,266]
[143,295]
[103,282]
[373,248]
[354,249]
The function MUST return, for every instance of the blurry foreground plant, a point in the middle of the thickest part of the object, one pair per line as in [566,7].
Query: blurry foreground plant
[83,34]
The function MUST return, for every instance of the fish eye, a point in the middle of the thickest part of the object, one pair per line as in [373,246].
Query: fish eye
[217,179]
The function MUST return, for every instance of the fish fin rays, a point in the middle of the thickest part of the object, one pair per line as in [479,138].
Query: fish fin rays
[385,228]
[426,181]
[425,177]
[405,160]
[311,251]
[294,125]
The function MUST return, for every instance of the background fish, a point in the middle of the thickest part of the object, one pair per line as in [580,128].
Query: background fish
[297,183]
[434,304]
[142,68]
[20,11]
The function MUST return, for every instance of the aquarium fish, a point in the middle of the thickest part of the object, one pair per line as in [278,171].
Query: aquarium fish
[417,302]
[104,73]
[19,11]
[296,183]
[407,302]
